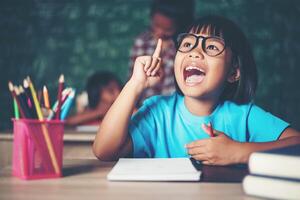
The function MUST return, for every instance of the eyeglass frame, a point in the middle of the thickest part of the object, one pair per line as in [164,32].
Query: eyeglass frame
[180,36]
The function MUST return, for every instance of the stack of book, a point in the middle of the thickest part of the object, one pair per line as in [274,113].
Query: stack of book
[274,173]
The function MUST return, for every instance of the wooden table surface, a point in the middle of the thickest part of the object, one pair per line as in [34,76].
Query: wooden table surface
[86,179]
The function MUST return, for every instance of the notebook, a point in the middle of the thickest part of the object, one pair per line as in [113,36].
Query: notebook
[154,169]
[282,162]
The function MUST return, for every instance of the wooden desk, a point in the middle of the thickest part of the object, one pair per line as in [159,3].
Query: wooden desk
[86,179]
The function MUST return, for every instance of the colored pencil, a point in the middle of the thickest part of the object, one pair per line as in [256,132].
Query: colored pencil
[13,93]
[22,101]
[44,129]
[29,99]
[35,100]
[16,110]
[46,97]
[211,132]
[39,95]
[59,95]
[67,105]
[65,95]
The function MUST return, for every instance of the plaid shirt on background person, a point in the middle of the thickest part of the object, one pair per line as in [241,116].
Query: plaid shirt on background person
[145,44]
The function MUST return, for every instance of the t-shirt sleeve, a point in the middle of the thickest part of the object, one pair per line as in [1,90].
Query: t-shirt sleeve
[263,126]
[141,130]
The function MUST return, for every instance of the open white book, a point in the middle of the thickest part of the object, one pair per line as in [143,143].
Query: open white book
[154,169]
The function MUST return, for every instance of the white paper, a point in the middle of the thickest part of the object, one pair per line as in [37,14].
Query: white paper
[154,169]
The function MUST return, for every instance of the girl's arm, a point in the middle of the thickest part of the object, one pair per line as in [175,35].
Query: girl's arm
[221,150]
[289,137]
[112,140]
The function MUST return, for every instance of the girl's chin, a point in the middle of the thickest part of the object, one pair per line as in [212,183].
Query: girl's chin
[191,92]
[191,88]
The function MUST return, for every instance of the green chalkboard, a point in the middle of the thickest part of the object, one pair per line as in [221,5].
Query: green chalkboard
[46,38]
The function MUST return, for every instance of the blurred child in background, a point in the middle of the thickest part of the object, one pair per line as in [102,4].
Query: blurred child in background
[102,89]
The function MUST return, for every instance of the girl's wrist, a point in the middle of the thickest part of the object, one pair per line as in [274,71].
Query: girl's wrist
[242,153]
[134,86]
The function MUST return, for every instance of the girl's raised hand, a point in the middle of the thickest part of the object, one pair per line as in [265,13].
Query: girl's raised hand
[147,69]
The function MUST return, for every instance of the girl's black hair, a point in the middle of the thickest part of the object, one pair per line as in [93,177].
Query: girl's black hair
[95,83]
[243,90]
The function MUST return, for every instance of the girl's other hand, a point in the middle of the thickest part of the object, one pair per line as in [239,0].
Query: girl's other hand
[218,150]
[147,69]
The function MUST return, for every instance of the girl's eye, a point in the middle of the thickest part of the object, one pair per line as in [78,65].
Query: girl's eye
[186,44]
[212,47]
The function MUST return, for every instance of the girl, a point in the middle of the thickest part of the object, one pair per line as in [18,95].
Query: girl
[216,78]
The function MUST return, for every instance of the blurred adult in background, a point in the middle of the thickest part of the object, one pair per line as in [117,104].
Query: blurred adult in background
[168,18]
[102,89]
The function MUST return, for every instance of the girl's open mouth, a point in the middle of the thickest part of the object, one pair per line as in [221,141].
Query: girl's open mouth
[193,75]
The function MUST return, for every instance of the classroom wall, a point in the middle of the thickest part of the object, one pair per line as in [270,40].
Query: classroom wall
[46,38]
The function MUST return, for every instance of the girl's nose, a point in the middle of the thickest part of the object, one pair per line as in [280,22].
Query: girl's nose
[196,54]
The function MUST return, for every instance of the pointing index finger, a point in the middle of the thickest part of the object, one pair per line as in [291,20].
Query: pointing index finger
[157,50]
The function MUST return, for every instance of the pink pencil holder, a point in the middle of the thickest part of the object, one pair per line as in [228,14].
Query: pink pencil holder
[37,149]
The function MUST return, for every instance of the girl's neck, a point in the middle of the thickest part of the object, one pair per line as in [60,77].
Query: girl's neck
[200,107]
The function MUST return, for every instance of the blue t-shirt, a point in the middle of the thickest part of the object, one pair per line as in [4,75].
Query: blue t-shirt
[163,125]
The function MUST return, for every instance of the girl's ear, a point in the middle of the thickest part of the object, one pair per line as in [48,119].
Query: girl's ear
[234,75]
[235,72]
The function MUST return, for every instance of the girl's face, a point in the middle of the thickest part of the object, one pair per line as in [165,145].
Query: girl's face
[199,75]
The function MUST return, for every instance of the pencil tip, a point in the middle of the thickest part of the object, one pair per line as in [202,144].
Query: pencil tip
[21,89]
[25,83]
[28,80]
[15,88]
[66,91]
[72,93]
[61,78]
[10,86]
[44,88]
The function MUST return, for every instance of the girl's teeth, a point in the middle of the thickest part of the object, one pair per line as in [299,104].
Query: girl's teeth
[196,68]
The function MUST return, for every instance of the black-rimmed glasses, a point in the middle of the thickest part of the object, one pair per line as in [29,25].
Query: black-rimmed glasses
[211,45]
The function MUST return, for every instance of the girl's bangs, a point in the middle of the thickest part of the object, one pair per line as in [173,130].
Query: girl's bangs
[209,29]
